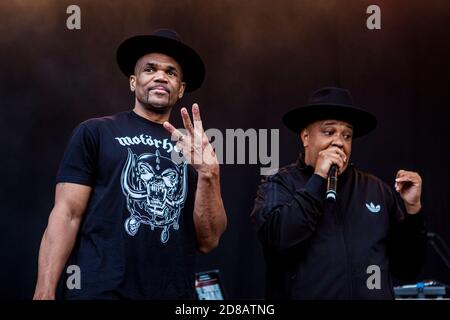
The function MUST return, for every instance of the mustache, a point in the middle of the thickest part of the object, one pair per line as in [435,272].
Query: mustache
[159,86]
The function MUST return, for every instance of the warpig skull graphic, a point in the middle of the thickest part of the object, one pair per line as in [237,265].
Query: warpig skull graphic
[155,190]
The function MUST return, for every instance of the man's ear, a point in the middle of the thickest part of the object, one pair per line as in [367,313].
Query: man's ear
[181,91]
[132,83]
[304,135]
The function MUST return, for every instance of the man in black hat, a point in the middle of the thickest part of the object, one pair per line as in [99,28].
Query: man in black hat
[126,212]
[342,249]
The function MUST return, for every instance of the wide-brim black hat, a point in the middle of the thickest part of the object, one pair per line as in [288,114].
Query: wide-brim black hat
[164,41]
[334,104]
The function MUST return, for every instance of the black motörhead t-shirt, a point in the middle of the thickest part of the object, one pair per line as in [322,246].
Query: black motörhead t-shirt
[137,237]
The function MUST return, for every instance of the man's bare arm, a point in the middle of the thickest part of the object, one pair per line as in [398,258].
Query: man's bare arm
[210,218]
[209,213]
[60,235]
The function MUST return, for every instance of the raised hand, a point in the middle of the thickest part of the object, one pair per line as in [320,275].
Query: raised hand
[195,146]
[409,185]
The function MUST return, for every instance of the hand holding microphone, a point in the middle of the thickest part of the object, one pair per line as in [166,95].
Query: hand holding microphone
[329,163]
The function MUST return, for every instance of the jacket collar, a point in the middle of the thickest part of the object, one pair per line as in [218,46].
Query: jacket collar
[302,166]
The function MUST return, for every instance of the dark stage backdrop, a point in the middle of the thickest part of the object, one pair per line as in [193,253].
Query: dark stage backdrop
[263,57]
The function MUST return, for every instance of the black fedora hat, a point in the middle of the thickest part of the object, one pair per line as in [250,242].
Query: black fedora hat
[330,103]
[164,41]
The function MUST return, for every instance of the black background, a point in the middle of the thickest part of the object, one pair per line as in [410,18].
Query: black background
[263,58]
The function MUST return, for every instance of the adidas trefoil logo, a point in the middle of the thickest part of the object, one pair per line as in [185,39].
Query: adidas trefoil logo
[372,208]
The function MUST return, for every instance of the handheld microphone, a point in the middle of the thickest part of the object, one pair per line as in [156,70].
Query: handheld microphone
[332,183]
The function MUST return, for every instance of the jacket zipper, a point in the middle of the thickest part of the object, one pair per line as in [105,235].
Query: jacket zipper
[346,248]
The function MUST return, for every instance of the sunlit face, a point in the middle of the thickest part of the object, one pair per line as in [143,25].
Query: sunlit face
[324,134]
[157,82]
